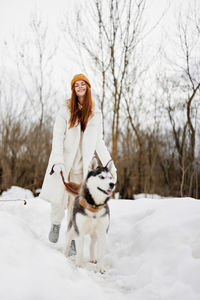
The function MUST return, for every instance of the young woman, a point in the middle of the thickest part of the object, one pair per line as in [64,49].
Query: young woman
[77,136]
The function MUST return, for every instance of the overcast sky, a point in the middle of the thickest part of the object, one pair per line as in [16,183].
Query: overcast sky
[14,14]
[15,17]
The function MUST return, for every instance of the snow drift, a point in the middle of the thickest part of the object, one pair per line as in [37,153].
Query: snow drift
[153,253]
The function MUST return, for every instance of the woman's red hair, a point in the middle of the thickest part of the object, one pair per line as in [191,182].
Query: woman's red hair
[80,116]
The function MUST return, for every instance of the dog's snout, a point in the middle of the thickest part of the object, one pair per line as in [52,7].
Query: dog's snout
[111,185]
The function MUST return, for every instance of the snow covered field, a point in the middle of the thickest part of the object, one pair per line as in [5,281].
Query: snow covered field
[153,253]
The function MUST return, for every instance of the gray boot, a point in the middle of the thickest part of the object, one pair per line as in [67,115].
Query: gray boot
[54,233]
[72,249]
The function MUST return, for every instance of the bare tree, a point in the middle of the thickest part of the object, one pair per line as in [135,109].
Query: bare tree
[116,28]
[35,69]
[181,92]
[27,93]
[17,142]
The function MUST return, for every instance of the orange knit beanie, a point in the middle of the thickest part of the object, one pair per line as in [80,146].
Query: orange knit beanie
[80,77]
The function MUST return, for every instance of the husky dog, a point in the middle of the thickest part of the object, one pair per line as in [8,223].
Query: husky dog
[90,215]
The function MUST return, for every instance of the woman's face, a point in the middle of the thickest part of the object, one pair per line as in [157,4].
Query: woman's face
[80,88]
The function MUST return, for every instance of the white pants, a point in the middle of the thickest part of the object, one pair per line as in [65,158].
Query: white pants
[58,210]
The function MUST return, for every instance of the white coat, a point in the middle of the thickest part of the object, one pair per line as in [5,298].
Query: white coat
[64,147]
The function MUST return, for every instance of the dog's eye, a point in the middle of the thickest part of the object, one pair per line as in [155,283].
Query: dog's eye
[102,177]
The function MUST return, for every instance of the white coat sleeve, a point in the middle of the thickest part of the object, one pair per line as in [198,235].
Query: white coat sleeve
[101,148]
[59,130]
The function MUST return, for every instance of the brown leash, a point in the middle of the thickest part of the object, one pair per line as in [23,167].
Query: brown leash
[71,186]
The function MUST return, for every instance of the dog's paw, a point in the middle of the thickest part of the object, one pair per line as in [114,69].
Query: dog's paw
[100,270]
[79,264]
[93,261]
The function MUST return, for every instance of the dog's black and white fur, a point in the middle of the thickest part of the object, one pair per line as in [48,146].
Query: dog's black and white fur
[92,218]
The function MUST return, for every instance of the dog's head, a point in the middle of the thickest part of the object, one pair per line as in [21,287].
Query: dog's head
[100,184]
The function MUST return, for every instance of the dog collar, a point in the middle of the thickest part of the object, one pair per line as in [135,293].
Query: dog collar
[85,205]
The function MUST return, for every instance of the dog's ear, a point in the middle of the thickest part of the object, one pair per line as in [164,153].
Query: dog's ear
[109,165]
[93,164]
